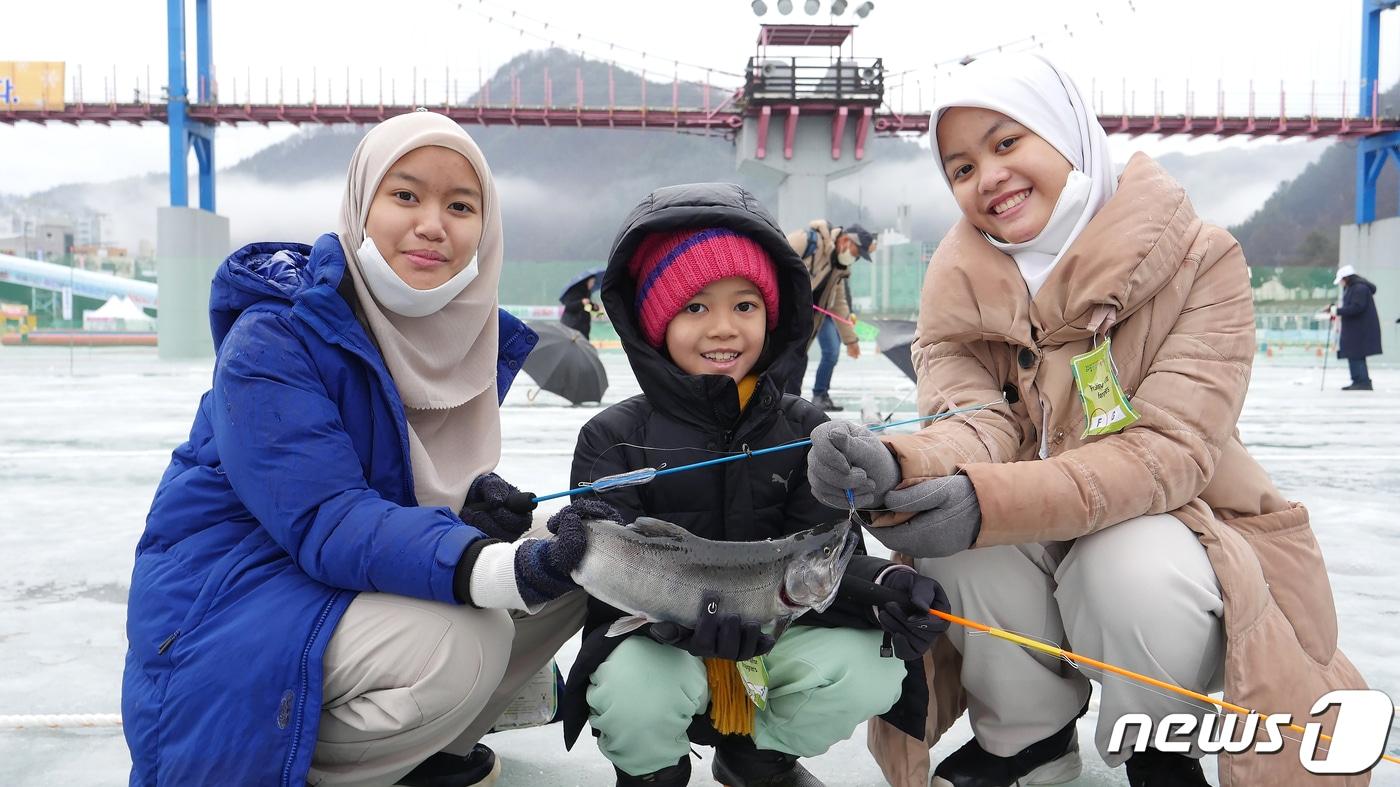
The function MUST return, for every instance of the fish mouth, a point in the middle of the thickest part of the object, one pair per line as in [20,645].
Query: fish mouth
[812,582]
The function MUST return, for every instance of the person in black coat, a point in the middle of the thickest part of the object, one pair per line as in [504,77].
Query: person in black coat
[1360,326]
[578,306]
[713,309]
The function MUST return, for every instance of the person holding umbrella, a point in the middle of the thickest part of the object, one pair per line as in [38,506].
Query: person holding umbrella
[829,252]
[578,302]
[1360,334]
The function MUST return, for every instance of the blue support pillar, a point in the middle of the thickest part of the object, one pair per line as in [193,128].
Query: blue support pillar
[1371,152]
[184,132]
[177,101]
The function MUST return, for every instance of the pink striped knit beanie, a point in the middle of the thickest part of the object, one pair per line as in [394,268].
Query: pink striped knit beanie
[671,267]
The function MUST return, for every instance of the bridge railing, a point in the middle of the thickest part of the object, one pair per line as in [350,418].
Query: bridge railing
[847,80]
[137,95]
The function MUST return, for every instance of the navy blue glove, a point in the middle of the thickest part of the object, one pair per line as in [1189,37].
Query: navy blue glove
[715,636]
[495,507]
[543,566]
[911,628]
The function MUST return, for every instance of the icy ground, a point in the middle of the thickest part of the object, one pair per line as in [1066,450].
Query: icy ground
[85,434]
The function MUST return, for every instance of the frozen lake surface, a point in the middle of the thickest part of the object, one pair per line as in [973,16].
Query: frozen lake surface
[86,433]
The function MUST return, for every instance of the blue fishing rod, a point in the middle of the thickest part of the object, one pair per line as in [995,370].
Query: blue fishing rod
[647,474]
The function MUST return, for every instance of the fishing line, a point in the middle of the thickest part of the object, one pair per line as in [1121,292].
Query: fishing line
[899,404]
[594,464]
[646,475]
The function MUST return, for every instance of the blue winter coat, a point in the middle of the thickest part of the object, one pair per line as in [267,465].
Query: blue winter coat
[1361,325]
[293,492]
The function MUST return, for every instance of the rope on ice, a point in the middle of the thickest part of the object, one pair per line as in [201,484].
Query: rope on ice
[56,721]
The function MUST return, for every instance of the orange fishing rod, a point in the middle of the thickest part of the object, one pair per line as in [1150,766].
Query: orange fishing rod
[878,594]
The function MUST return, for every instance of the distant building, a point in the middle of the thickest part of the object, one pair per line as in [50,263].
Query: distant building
[91,229]
[1274,290]
[108,259]
[52,242]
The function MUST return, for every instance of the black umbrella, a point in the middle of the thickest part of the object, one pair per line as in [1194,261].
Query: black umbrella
[893,341]
[596,273]
[564,363]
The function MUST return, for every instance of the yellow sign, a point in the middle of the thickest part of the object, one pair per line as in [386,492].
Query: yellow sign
[33,85]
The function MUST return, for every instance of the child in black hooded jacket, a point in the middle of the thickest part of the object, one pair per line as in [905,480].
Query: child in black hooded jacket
[713,306]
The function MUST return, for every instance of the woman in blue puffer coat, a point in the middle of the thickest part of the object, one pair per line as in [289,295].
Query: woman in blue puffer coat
[323,591]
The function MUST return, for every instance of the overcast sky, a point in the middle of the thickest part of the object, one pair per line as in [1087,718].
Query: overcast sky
[1113,47]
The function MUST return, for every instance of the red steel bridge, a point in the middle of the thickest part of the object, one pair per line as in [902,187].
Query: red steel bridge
[724,118]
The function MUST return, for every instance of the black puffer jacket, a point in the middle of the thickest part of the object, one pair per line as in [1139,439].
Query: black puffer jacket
[1361,325]
[698,418]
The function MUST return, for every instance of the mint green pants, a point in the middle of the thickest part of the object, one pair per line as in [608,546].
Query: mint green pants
[821,684]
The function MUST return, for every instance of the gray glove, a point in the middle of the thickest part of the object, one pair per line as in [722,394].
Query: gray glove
[845,456]
[948,522]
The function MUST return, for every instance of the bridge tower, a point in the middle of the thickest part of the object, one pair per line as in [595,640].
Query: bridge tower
[190,243]
[1372,151]
[1369,245]
[804,80]
[184,132]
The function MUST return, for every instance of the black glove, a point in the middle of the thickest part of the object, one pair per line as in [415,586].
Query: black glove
[715,636]
[912,629]
[495,507]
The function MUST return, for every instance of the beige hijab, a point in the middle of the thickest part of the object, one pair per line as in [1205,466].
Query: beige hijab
[444,364]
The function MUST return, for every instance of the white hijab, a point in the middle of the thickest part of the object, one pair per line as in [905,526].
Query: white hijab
[443,363]
[1035,93]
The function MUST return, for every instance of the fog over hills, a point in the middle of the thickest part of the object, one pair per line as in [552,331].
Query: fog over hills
[565,190]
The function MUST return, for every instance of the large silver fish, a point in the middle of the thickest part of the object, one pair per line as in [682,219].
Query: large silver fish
[657,571]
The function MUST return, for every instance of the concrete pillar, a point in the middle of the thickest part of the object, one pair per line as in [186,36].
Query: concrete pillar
[190,244]
[802,180]
[1374,250]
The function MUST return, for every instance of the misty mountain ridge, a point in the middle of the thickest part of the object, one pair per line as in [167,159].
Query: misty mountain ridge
[565,190]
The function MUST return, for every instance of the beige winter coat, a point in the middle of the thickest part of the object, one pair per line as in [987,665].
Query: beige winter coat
[1183,341]
[828,279]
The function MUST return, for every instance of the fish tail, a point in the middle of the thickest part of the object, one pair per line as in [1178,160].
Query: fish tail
[731,712]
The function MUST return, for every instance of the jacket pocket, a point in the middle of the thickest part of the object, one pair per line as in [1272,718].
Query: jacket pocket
[214,582]
[1295,574]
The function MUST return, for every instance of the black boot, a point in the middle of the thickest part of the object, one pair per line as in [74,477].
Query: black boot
[480,768]
[1366,386]
[1152,768]
[677,775]
[1054,760]
[824,402]
[738,763]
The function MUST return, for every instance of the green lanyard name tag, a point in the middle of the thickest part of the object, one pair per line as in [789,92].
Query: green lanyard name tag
[755,677]
[1106,408]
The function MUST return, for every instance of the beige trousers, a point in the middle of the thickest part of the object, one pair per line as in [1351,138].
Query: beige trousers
[406,678]
[1140,594]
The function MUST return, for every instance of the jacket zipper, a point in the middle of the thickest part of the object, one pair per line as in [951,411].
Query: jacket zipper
[301,696]
[170,640]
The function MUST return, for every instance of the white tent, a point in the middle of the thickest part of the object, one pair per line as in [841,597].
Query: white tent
[118,314]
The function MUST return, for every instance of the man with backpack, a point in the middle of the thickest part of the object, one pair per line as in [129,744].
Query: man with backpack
[829,252]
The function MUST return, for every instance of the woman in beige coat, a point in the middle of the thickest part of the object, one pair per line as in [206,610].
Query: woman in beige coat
[1141,534]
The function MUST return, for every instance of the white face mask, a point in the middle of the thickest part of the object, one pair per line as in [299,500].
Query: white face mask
[397,295]
[1068,208]
[846,258]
